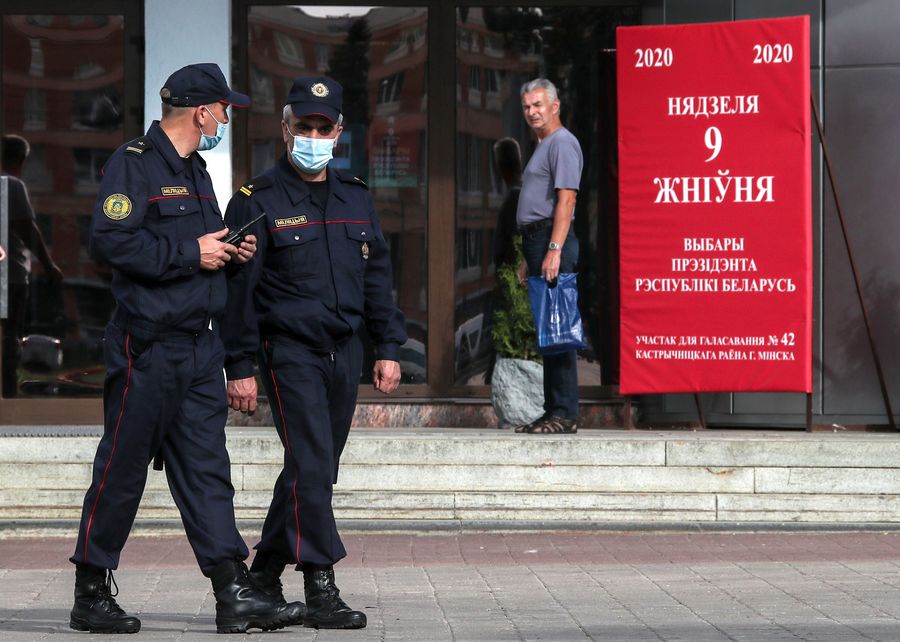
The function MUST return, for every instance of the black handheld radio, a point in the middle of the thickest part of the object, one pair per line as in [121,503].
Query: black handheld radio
[235,238]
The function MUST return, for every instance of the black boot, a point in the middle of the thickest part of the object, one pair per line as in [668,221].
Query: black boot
[265,572]
[241,606]
[95,607]
[324,607]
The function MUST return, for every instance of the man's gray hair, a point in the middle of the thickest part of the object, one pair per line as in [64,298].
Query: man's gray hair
[286,116]
[540,83]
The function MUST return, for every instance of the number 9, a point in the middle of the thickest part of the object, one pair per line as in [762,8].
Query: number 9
[713,141]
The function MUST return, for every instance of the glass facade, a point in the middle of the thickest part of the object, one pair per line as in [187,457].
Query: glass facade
[63,85]
[381,57]
[430,91]
[497,50]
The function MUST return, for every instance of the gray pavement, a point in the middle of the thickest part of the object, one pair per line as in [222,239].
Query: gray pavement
[514,586]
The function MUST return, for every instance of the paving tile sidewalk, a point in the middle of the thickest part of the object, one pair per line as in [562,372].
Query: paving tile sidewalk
[518,586]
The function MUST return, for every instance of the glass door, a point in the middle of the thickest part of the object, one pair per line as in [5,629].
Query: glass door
[68,103]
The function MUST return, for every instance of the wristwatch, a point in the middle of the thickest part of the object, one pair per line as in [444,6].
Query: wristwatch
[554,246]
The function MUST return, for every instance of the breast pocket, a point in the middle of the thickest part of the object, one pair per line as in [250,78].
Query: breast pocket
[297,252]
[360,244]
[181,218]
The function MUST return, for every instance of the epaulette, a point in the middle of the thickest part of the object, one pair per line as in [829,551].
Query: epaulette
[255,184]
[347,177]
[138,146]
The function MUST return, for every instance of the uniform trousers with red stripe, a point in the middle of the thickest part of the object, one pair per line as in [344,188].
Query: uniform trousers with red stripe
[313,396]
[165,395]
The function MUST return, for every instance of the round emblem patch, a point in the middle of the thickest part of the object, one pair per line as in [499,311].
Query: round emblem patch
[117,206]
[319,90]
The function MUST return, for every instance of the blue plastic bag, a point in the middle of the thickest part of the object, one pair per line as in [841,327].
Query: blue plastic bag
[556,316]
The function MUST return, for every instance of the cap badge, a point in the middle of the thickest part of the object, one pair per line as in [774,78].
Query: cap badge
[319,90]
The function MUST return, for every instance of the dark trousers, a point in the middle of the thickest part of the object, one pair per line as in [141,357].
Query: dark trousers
[313,396]
[560,370]
[167,395]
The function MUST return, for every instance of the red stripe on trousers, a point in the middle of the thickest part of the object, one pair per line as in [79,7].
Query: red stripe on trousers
[287,445]
[87,535]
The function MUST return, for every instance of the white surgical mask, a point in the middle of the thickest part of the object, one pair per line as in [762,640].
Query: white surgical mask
[207,141]
[311,155]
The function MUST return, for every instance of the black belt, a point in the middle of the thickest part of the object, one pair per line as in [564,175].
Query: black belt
[277,336]
[531,228]
[151,331]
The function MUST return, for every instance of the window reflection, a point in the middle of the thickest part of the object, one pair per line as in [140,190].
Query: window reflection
[379,56]
[62,87]
[88,168]
[497,50]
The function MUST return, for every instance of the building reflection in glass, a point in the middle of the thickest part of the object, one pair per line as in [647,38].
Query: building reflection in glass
[497,50]
[62,85]
[379,55]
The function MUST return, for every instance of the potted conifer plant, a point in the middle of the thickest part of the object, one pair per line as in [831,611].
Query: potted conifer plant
[517,385]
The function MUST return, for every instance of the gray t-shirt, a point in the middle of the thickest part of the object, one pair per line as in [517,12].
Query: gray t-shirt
[555,164]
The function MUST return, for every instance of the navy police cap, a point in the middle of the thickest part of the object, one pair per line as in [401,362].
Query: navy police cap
[200,84]
[316,96]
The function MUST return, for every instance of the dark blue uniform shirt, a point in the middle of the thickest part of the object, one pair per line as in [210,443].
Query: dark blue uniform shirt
[318,274]
[152,207]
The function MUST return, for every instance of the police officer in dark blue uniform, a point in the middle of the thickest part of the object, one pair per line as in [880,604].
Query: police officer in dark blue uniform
[321,272]
[157,225]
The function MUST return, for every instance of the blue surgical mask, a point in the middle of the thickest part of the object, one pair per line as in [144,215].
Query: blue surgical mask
[207,141]
[311,155]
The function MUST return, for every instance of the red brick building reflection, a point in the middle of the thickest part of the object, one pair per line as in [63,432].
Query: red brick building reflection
[63,82]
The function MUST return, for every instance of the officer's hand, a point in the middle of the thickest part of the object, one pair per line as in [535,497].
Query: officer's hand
[213,253]
[2,253]
[242,395]
[386,376]
[550,266]
[245,251]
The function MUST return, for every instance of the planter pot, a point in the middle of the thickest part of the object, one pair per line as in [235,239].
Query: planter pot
[517,391]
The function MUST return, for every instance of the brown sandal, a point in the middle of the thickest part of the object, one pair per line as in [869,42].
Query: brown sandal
[549,426]
[529,427]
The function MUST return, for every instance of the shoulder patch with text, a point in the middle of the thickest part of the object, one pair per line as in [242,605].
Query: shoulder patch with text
[117,206]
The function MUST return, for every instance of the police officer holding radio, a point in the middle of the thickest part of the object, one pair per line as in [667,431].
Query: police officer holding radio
[156,223]
[322,270]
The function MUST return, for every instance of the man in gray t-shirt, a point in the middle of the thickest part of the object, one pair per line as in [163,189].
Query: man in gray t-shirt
[555,165]
[544,216]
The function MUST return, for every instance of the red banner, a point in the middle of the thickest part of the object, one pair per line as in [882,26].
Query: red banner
[715,207]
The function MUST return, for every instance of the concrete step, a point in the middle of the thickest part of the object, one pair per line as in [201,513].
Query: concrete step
[489,476]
